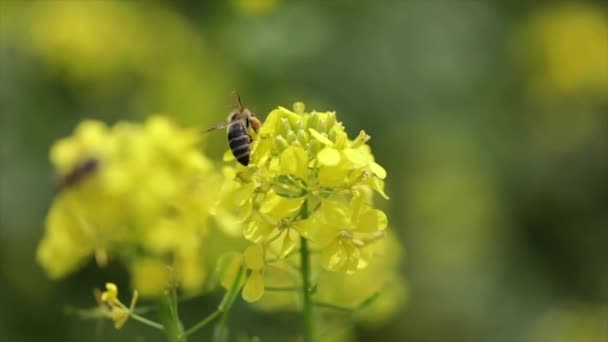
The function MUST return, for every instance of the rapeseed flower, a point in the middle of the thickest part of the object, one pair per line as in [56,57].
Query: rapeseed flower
[114,308]
[253,261]
[148,200]
[308,179]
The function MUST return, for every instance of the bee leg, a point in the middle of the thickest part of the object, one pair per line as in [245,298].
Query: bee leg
[255,123]
[214,127]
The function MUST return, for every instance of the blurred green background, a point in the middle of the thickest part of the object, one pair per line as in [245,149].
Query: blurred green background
[490,117]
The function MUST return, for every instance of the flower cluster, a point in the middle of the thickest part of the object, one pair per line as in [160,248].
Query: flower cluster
[308,180]
[564,47]
[144,195]
[141,194]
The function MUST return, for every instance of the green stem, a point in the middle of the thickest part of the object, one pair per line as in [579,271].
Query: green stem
[282,289]
[221,334]
[146,321]
[168,314]
[332,306]
[307,298]
[222,308]
[202,323]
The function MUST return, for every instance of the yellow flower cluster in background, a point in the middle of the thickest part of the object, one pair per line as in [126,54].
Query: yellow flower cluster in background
[144,199]
[566,51]
[170,67]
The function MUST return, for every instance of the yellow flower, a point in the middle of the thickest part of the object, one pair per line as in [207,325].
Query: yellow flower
[565,50]
[275,221]
[150,196]
[305,174]
[343,228]
[150,276]
[253,261]
[253,289]
[381,277]
[117,311]
[110,295]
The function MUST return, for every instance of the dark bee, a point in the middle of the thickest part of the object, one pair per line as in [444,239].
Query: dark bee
[240,121]
[82,170]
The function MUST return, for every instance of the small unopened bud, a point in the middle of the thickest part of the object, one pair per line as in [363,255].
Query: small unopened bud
[361,139]
[331,120]
[281,143]
[285,126]
[322,125]
[299,108]
[302,137]
[291,136]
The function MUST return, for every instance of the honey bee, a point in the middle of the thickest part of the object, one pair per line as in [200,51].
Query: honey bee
[241,121]
[80,171]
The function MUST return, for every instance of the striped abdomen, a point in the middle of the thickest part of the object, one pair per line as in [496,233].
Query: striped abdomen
[239,141]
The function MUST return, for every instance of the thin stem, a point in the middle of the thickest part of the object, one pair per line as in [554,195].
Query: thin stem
[222,308]
[282,289]
[202,323]
[366,303]
[225,305]
[146,321]
[308,305]
[332,306]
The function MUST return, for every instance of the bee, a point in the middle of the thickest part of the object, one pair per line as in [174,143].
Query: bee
[82,170]
[239,126]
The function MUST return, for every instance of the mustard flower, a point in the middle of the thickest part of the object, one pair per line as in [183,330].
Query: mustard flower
[343,230]
[253,260]
[141,194]
[307,178]
[116,310]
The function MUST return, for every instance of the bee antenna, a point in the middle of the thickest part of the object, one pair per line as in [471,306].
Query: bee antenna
[236,101]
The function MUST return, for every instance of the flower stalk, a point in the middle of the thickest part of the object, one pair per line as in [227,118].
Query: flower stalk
[221,311]
[307,297]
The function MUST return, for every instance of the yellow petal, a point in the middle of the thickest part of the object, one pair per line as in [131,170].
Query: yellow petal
[334,176]
[112,289]
[372,220]
[91,134]
[333,256]
[294,161]
[377,170]
[243,193]
[254,257]
[254,287]
[257,229]
[228,156]
[378,185]
[320,137]
[228,268]
[245,211]
[328,156]
[64,154]
[335,214]
[279,207]
[352,258]
[357,157]
[288,243]
[119,316]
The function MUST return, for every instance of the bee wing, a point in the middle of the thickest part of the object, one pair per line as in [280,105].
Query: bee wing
[216,126]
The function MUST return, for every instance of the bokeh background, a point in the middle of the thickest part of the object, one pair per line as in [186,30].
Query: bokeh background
[491,118]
